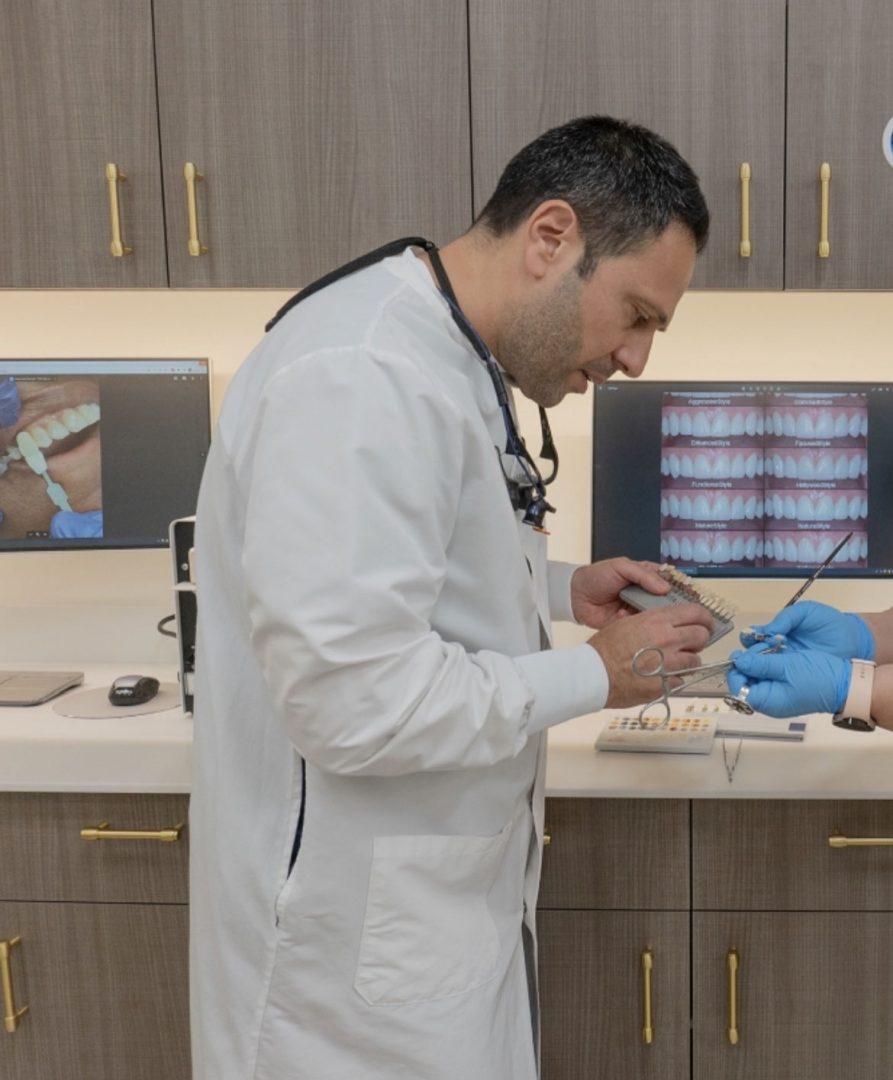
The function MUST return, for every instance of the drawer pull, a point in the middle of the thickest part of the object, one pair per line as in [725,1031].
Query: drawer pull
[838,841]
[647,1020]
[11,1015]
[732,965]
[191,175]
[113,176]
[103,832]
[825,181]
[744,246]
[547,837]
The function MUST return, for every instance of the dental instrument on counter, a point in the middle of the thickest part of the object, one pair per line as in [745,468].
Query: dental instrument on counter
[642,668]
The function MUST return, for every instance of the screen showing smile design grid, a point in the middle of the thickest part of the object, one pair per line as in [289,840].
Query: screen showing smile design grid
[762,480]
[99,453]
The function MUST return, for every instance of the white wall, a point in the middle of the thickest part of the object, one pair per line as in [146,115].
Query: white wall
[82,606]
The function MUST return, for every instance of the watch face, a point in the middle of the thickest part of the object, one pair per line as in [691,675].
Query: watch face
[854,723]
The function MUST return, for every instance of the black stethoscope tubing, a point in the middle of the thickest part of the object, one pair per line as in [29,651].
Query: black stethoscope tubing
[530,496]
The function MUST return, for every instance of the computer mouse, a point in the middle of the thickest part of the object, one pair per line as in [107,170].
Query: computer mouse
[133,689]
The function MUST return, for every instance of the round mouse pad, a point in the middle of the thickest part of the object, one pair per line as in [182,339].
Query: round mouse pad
[95,704]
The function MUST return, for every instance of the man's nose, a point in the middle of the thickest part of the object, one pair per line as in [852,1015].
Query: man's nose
[632,356]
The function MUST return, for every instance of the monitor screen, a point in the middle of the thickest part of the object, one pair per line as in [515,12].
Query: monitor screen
[729,479]
[100,453]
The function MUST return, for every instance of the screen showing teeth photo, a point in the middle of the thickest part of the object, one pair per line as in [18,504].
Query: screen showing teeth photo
[730,479]
[99,453]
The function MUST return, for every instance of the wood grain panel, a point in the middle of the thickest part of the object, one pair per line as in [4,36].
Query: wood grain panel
[43,856]
[616,853]
[591,995]
[707,76]
[106,986]
[322,129]
[774,854]
[814,993]
[78,92]
[840,99]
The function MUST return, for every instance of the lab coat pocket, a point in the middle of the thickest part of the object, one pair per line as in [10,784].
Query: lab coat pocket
[428,931]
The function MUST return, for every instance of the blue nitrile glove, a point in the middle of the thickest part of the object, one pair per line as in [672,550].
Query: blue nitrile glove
[10,402]
[791,682]
[809,625]
[68,524]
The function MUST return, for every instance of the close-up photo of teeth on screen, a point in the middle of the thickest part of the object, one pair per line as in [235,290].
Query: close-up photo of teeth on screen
[738,480]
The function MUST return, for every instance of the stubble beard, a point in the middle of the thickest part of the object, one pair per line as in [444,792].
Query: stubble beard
[541,344]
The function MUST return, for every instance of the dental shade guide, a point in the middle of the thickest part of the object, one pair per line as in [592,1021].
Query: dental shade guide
[35,460]
[683,590]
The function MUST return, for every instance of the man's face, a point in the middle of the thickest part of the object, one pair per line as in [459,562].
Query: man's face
[584,331]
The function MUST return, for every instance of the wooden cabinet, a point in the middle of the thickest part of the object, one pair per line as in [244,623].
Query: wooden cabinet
[811,926]
[615,888]
[78,95]
[840,103]
[324,129]
[102,960]
[710,77]
[783,85]
[777,967]
[321,130]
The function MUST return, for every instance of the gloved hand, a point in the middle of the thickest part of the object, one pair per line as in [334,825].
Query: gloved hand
[791,682]
[808,625]
[10,402]
[68,524]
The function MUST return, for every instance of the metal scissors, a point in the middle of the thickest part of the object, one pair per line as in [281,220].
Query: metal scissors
[647,669]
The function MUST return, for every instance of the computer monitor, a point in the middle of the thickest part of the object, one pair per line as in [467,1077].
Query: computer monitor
[727,479]
[100,453]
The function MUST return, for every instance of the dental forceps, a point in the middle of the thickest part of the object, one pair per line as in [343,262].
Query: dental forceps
[645,669]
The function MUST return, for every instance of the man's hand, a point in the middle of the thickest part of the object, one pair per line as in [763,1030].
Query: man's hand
[680,630]
[595,589]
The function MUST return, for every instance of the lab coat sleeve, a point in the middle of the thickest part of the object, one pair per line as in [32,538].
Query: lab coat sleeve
[559,583]
[352,478]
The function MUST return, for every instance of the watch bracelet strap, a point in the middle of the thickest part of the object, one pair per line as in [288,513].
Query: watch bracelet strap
[858,700]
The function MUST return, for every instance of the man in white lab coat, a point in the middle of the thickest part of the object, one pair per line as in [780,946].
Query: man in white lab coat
[374,681]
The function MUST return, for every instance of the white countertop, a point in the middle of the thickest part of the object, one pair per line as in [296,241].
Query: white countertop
[43,751]
[829,764]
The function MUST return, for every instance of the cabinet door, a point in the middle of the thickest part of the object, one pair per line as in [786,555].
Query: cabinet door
[78,94]
[322,130]
[44,857]
[775,855]
[592,994]
[814,994]
[616,853]
[106,990]
[707,76]
[840,102]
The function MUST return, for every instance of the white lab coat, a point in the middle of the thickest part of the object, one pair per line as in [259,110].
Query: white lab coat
[368,616]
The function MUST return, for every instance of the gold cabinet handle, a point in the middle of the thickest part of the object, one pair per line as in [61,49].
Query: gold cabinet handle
[647,1020]
[732,965]
[825,179]
[113,176]
[191,175]
[744,246]
[838,841]
[547,837]
[11,1015]
[103,832]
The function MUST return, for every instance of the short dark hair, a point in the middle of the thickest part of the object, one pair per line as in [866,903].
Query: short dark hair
[625,184]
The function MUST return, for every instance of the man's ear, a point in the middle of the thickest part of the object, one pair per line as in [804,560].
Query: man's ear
[552,239]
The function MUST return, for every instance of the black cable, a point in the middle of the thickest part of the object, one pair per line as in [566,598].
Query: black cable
[160,627]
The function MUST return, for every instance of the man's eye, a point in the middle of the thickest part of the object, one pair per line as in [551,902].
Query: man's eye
[639,320]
